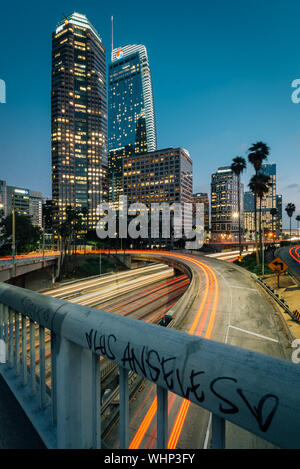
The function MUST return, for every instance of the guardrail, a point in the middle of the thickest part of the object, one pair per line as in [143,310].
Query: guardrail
[279,300]
[256,392]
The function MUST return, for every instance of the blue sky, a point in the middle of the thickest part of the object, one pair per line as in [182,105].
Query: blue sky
[222,74]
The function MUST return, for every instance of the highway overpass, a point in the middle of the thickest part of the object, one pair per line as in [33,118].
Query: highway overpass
[225,321]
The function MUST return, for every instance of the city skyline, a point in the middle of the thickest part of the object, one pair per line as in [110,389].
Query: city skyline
[212,139]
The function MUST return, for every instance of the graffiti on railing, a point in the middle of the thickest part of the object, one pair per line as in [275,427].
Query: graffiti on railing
[150,364]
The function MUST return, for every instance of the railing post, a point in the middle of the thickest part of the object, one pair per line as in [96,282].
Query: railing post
[75,393]
[218,432]
[124,409]
[162,418]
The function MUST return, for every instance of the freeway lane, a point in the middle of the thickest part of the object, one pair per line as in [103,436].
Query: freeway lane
[291,255]
[228,308]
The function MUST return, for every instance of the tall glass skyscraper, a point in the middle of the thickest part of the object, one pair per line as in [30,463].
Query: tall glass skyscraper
[131,119]
[78,118]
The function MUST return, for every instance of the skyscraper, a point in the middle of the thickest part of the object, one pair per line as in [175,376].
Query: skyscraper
[224,205]
[269,200]
[279,214]
[249,225]
[131,119]
[78,118]
[25,202]
[202,198]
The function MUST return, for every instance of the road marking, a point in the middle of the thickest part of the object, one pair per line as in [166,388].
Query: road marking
[244,288]
[253,333]
[207,432]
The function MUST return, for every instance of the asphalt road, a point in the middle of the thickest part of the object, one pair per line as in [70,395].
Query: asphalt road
[229,308]
[291,255]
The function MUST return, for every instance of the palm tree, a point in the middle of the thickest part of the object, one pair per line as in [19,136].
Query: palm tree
[298,220]
[238,166]
[260,184]
[290,208]
[257,153]
[273,212]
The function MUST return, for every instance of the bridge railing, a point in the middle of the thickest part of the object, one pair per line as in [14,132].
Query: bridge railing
[62,395]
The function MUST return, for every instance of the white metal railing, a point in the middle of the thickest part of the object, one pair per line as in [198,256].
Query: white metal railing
[53,369]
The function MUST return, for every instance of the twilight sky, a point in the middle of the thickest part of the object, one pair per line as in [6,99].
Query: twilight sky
[222,74]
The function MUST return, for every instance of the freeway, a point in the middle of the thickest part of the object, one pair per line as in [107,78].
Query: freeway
[230,308]
[291,255]
[146,293]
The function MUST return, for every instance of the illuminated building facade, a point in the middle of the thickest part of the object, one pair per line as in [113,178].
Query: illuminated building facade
[131,119]
[224,205]
[202,198]
[279,214]
[159,176]
[269,200]
[249,225]
[3,199]
[79,119]
[26,202]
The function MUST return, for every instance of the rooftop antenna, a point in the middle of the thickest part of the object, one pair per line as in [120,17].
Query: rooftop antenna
[66,19]
[112,35]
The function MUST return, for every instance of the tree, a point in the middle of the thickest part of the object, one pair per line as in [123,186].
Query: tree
[298,221]
[238,166]
[257,153]
[260,184]
[71,227]
[274,213]
[290,209]
[27,235]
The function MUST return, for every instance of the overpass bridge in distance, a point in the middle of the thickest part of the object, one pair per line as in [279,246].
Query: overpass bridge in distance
[34,272]
[247,388]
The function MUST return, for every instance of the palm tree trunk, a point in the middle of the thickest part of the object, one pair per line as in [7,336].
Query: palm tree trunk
[255,229]
[239,210]
[260,231]
[290,228]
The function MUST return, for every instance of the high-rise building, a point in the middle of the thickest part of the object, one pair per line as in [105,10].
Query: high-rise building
[224,205]
[279,214]
[3,199]
[131,119]
[26,202]
[249,225]
[159,176]
[202,198]
[78,118]
[269,200]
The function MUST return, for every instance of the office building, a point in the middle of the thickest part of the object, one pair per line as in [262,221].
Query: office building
[279,214]
[3,199]
[159,176]
[224,205]
[202,198]
[26,202]
[78,119]
[249,225]
[269,200]
[131,119]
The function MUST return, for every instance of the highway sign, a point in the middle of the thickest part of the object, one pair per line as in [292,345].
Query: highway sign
[278,266]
